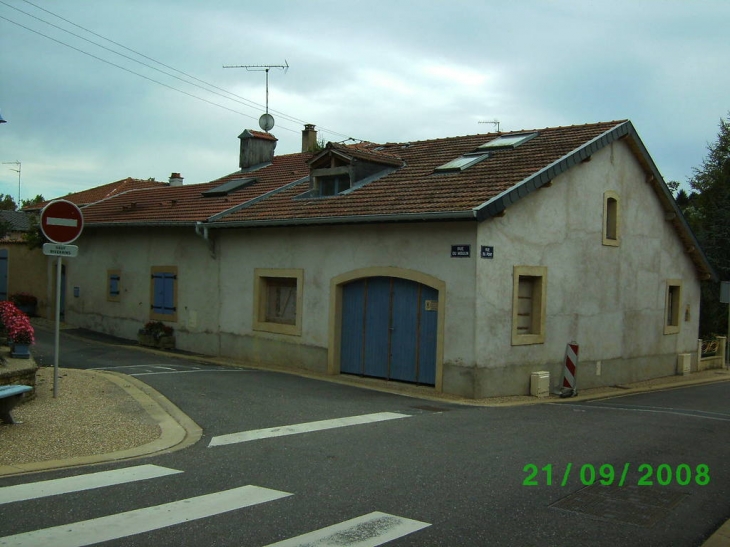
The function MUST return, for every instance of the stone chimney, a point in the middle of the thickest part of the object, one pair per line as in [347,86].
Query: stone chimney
[257,148]
[309,138]
[176,179]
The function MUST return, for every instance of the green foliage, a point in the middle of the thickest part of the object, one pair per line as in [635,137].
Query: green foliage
[707,211]
[5,228]
[30,202]
[7,203]
[34,237]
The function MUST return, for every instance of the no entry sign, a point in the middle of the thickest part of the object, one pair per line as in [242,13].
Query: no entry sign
[62,221]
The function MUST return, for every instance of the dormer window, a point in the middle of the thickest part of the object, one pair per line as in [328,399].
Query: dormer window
[340,170]
[331,185]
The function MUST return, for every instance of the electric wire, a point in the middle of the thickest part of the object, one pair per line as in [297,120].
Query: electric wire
[135,73]
[239,99]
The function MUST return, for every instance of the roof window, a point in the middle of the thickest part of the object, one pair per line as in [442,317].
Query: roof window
[228,187]
[508,141]
[463,162]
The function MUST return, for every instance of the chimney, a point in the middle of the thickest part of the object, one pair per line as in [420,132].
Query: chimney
[256,148]
[176,179]
[309,138]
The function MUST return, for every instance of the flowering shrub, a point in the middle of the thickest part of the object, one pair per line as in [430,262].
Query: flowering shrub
[157,329]
[16,324]
[23,299]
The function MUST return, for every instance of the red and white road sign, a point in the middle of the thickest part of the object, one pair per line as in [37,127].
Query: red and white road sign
[62,221]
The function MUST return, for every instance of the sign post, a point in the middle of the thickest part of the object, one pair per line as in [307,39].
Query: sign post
[61,222]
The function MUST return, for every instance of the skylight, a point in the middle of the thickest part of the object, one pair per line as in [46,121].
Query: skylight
[508,141]
[462,162]
[228,187]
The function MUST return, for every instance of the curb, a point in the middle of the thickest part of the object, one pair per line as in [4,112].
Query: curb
[178,431]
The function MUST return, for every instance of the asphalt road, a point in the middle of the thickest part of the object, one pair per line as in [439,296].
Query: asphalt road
[457,475]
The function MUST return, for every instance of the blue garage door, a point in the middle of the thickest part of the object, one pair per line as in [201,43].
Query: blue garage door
[389,328]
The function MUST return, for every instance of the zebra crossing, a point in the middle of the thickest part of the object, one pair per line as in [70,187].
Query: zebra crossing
[369,530]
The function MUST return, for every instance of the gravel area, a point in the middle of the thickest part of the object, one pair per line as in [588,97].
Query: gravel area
[90,416]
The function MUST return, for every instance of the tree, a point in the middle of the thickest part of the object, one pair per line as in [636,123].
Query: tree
[7,203]
[708,213]
[30,202]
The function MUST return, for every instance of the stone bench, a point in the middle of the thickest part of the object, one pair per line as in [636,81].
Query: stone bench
[9,397]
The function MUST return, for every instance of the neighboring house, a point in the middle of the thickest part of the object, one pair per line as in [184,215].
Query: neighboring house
[464,263]
[86,197]
[21,269]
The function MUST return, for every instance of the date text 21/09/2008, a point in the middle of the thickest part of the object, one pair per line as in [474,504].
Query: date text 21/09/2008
[608,475]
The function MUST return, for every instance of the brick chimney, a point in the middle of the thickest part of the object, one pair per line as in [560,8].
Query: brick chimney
[176,179]
[309,138]
[257,148]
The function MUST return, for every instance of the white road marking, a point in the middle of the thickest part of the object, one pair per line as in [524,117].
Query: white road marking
[89,532]
[185,372]
[52,221]
[658,410]
[22,492]
[368,530]
[256,434]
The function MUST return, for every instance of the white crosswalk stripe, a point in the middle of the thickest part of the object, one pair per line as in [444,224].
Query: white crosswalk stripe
[368,530]
[308,427]
[22,492]
[130,523]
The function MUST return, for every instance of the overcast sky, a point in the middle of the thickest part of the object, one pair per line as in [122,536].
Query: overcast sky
[381,71]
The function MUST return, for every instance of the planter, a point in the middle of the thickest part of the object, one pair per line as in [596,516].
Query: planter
[163,342]
[20,351]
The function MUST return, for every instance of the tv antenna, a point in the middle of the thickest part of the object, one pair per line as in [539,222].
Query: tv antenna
[266,121]
[495,122]
[16,162]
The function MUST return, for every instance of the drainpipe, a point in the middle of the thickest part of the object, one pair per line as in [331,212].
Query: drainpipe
[202,230]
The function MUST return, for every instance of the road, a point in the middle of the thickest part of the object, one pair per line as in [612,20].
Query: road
[284,456]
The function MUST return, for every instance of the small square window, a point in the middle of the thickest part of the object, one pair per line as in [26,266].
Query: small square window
[611,219]
[113,285]
[672,306]
[529,305]
[278,301]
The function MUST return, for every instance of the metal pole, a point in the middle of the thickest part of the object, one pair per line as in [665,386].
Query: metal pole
[727,340]
[58,327]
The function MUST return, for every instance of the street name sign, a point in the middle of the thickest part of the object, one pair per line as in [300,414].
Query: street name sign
[55,249]
[62,221]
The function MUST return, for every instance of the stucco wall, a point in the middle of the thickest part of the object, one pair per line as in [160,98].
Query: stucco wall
[27,273]
[133,252]
[610,299]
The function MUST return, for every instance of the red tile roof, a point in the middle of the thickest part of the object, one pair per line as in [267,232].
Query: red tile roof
[186,204]
[416,189]
[105,191]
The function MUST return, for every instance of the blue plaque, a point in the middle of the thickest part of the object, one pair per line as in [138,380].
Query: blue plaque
[460,251]
[487,251]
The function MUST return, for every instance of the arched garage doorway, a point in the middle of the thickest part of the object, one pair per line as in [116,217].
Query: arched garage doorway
[389,329]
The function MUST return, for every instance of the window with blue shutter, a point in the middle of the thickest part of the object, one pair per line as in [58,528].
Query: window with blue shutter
[163,305]
[113,286]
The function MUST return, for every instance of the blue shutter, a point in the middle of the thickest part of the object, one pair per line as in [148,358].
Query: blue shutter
[3,274]
[164,293]
[113,285]
[168,301]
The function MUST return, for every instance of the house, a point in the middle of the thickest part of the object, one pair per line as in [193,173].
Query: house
[22,270]
[464,263]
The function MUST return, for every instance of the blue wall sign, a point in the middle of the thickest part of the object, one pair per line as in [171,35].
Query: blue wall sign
[460,251]
[487,252]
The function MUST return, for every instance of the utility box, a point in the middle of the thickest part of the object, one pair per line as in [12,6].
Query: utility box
[540,383]
[684,362]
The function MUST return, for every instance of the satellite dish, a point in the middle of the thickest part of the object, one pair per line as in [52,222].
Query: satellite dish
[266,122]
